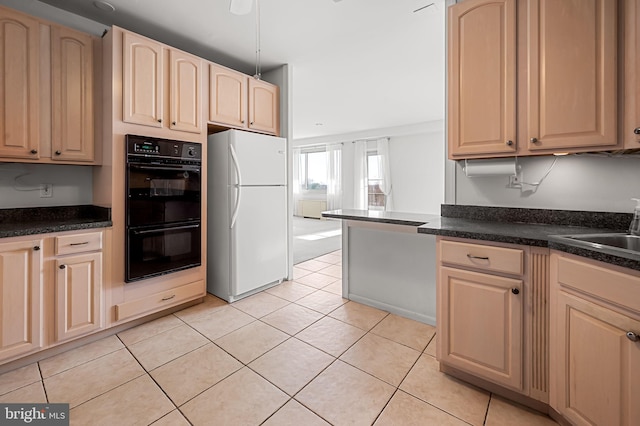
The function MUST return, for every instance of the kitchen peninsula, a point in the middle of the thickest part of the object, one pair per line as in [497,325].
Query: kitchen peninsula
[512,293]
[386,264]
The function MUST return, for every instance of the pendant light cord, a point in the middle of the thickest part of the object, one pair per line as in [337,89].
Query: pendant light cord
[258,64]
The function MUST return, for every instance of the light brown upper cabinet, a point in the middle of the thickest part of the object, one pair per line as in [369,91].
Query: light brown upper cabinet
[532,77]
[144,94]
[71,95]
[227,96]
[264,109]
[240,101]
[47,91]
[482,78]
[570,76]
[142,80]
[631,124]
[19,86]
[185,93]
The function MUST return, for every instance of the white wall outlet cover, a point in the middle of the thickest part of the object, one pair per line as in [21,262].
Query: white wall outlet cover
[46,190]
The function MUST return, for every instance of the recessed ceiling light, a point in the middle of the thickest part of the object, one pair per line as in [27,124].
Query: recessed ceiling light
[104,6]
[319,124]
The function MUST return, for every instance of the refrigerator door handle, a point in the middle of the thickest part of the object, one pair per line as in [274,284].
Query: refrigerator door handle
[236,208]
[236,165]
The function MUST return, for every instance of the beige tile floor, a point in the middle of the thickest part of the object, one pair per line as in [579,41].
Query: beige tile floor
[295,354]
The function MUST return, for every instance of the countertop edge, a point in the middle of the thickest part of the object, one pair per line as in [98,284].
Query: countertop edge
[485,236]
[56,228]
[374,219]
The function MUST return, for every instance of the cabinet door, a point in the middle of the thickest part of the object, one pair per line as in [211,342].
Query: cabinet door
[482,78]
[264,104]
[631,127]
[480,325]
[597,365]
[571,62]
[78,295]
[227,96]
[186,88]
[20,298]
[19,89]
[142,80]
[71,95]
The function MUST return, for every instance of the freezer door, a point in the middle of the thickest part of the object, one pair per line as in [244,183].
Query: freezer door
[260,159]
[258,238]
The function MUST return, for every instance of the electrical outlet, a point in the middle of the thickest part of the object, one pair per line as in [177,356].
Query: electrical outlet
[46,190]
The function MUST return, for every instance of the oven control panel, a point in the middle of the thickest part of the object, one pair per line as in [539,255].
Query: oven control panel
[147,147]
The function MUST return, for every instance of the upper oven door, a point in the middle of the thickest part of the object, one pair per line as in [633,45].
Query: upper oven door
[161,194]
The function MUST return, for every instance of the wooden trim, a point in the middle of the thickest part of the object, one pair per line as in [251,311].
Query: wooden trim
[537,324]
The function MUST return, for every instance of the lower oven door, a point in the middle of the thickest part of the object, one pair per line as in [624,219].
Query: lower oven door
[158,250]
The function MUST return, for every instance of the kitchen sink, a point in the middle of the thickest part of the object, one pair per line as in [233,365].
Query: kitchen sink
[623,241]
[615,243]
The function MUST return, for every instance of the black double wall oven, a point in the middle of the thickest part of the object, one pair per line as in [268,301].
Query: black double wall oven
[163,207]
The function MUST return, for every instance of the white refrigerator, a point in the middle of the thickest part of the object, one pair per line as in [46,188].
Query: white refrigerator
[246,213]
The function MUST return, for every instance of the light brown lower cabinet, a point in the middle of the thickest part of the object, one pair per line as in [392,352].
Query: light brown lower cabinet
[20,297]
[595,342]
[50,291]
[78,289]
[480,329]
[480,316]
[492,316]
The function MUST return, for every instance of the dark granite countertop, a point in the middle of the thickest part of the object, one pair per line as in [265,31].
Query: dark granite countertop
[44,220]
[532,227]
[378,216]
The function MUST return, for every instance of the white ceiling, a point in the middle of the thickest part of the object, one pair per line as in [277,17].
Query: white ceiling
[357,64]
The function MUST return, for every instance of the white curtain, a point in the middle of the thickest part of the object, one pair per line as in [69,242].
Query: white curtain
[360,190]
[297,179]
[386,186]
[334,177]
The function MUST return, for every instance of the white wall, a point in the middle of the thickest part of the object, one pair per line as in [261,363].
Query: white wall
[577,182]
[20,185]
[417,172]
[417,168]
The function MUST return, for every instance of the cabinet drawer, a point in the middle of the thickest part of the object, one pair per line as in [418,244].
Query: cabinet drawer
[159,301]
[608,285]
[486,258]
[78,243]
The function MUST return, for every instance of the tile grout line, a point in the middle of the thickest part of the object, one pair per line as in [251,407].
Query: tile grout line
[44,389]
[152,379]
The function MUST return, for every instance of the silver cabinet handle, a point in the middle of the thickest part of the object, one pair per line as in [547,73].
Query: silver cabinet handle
[633,336]
[515,290]
[79,244]
[534,140]
[470,256]
[509,143]
[62,266]
[164,299]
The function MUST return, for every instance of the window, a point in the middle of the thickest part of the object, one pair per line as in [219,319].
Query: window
[313,169]
[376,198]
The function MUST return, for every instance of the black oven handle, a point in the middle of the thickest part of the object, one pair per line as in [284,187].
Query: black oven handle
[165,167]
[151,231]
